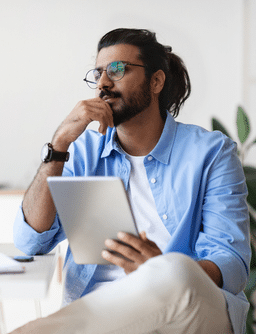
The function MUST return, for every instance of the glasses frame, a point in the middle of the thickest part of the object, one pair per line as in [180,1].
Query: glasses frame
[125,63]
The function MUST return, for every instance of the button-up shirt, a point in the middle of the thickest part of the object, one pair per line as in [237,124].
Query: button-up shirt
[199,188]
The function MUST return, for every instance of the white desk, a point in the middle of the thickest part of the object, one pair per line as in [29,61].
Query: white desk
[33,283]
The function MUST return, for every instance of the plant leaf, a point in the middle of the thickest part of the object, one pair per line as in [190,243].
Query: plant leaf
[253,258]
[249,289]
[243,125]
[216,125]
[251,282]
[250,175]
[251,144]
[253,227]
[250,320]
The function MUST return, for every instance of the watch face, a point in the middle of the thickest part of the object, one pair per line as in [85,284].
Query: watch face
[48,154]
[45,154]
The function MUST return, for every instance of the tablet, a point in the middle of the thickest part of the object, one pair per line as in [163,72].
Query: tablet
[91,210]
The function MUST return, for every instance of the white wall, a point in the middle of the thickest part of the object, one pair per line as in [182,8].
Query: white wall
[249,68]
[47,46]
[9,204]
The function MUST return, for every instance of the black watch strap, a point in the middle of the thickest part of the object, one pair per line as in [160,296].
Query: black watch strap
[49,154]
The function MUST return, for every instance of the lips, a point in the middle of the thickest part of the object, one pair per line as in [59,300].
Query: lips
[108,96]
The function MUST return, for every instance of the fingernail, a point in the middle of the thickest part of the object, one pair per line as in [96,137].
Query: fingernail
[108,242]
[104,254]
[121,235]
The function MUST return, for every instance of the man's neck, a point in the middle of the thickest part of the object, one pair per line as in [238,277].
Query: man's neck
[140,135]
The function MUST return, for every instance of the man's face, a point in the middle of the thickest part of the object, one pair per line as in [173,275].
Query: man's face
[129,96]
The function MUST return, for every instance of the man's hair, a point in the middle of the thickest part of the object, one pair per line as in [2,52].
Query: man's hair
[155,56]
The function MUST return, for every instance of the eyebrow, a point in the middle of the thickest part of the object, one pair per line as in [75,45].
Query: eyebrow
[98,68]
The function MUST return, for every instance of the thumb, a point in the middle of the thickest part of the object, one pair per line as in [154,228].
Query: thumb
[143,236]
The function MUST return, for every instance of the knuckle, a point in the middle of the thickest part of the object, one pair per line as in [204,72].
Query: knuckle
[121,262]
[141,245]
[82,103]
[129,252]
[101,117]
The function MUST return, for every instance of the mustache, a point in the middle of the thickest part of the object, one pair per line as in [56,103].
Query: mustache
[108,93]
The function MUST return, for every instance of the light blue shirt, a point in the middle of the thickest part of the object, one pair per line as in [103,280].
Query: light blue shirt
[200,194]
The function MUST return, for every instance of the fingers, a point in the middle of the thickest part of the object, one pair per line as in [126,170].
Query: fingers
[115,259]
[80,117]
[143,245]
[143,236]
[97,110]
[133,253]
[125,250]
[102,109]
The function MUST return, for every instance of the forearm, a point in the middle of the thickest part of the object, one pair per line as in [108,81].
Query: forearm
[38,207]
[213,271]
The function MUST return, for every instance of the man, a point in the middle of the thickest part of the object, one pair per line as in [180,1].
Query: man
[188,194]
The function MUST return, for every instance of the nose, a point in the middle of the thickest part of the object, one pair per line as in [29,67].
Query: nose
[104,81]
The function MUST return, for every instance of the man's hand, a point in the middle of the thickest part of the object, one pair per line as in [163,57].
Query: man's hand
[38,207]
[80,117]
[138,251]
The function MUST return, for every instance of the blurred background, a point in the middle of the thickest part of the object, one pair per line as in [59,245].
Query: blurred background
[46,47]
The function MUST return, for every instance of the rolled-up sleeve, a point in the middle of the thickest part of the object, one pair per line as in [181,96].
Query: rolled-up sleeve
[224,237]
[31,242]
[25,237]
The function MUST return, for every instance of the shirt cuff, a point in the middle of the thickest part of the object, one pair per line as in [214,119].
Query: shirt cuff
[31,242]
[234,277]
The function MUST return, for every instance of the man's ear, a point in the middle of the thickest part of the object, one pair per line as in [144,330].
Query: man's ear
[157,81]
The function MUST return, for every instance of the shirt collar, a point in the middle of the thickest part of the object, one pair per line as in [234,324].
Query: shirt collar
[162,150]
[111,143]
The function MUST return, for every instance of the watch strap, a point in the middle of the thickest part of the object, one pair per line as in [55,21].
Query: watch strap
[53,155]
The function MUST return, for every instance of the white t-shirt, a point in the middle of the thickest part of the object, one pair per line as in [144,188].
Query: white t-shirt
[146,217]
[143,204]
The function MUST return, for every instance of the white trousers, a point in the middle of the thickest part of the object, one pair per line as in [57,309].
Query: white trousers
[167,294]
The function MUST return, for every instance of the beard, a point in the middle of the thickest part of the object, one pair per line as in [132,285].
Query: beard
[134,105]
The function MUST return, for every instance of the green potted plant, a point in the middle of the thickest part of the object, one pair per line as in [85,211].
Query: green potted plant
[243,131]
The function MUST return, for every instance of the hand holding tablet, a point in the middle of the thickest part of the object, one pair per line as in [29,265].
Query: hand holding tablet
[91,210]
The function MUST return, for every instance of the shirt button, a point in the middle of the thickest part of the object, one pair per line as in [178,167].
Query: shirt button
[150,157]
[165,217]
[153,180]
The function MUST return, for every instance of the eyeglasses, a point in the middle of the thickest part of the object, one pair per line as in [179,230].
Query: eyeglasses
[115,71]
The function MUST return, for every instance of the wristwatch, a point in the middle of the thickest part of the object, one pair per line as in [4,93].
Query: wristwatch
[49,154]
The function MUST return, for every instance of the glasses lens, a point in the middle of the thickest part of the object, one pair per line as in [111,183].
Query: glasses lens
[115,70]
[92,77]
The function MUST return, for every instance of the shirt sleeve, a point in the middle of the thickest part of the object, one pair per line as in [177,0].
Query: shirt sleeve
[84,154]
[33,243]
[224,236]
[30,241]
